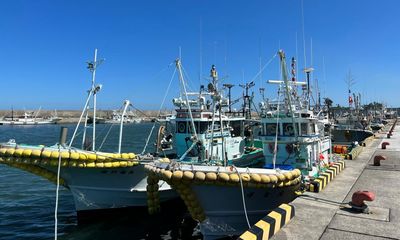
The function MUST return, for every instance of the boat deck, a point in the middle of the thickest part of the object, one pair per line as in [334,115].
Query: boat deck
[319,219]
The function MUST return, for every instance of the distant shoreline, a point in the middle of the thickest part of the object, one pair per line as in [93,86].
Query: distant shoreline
[72,116]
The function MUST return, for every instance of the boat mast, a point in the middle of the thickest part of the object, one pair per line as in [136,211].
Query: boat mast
[179,66]
[214,76]
[93,90]
[287,88]
[126,104]
[93,70]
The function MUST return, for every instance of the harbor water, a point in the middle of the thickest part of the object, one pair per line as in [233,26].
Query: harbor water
[27,202]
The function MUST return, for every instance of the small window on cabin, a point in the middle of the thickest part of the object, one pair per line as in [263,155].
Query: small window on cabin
[203,127]
[312,128]
[236,127]
[181,127]
[288,129]
[216,126]
[270,129]
[304,129]
[190,127]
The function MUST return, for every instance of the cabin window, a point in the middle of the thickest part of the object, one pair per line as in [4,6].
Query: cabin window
[312,128]
[181,127]
[190,126]
[304,129]
[237,127]
[270,129]
[217,126]
[203,127]
[288,129]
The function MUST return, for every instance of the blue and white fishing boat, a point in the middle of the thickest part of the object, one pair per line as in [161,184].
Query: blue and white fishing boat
[214,172]
[292,135]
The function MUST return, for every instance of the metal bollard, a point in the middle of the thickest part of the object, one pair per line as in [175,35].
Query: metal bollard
[378,159]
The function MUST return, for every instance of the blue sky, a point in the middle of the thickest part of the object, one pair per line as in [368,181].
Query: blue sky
[44,46]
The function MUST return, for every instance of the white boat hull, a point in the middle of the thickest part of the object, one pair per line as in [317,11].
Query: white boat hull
[110,188]
[26,122]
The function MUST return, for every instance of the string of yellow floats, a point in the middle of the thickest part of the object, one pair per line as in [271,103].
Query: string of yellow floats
[182,181]
[69,158]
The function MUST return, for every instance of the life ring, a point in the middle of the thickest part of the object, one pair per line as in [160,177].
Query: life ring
[289,148]
[181,127]
[289,130]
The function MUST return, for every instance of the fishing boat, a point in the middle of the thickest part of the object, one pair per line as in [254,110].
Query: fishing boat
[28,118]
[353,126]
[129,117]
[293,135]
[216,172]
[97,180]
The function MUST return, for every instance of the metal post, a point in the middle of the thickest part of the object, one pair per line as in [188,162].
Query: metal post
[94,100]
[80,118]
[63,135]
[229,86]
[126,104]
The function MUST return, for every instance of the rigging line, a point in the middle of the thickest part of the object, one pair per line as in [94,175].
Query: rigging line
[186,75]
[263,68]
[165,96]
[304,41]
[104,139]
[159,112]
[98,136]
[160,72]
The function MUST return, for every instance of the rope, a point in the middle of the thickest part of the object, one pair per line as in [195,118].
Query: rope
[263,68]
[99,135]
[189,86]
[159,112]
[57,190]
[148,138]
[243,200]
[105,137]
[322,199]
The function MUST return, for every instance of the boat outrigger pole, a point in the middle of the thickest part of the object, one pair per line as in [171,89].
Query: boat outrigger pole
[126,105]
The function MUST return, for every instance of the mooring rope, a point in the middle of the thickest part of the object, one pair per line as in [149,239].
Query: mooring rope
[57,190]
[243,200]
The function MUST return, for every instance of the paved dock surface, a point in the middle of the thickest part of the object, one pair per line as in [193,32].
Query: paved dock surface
[320,219]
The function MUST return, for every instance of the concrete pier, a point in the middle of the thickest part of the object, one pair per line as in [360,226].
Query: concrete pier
[318,216]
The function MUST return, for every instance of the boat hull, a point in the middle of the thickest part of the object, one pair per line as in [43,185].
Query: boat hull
[350,135]
[224,208]
[110,188]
